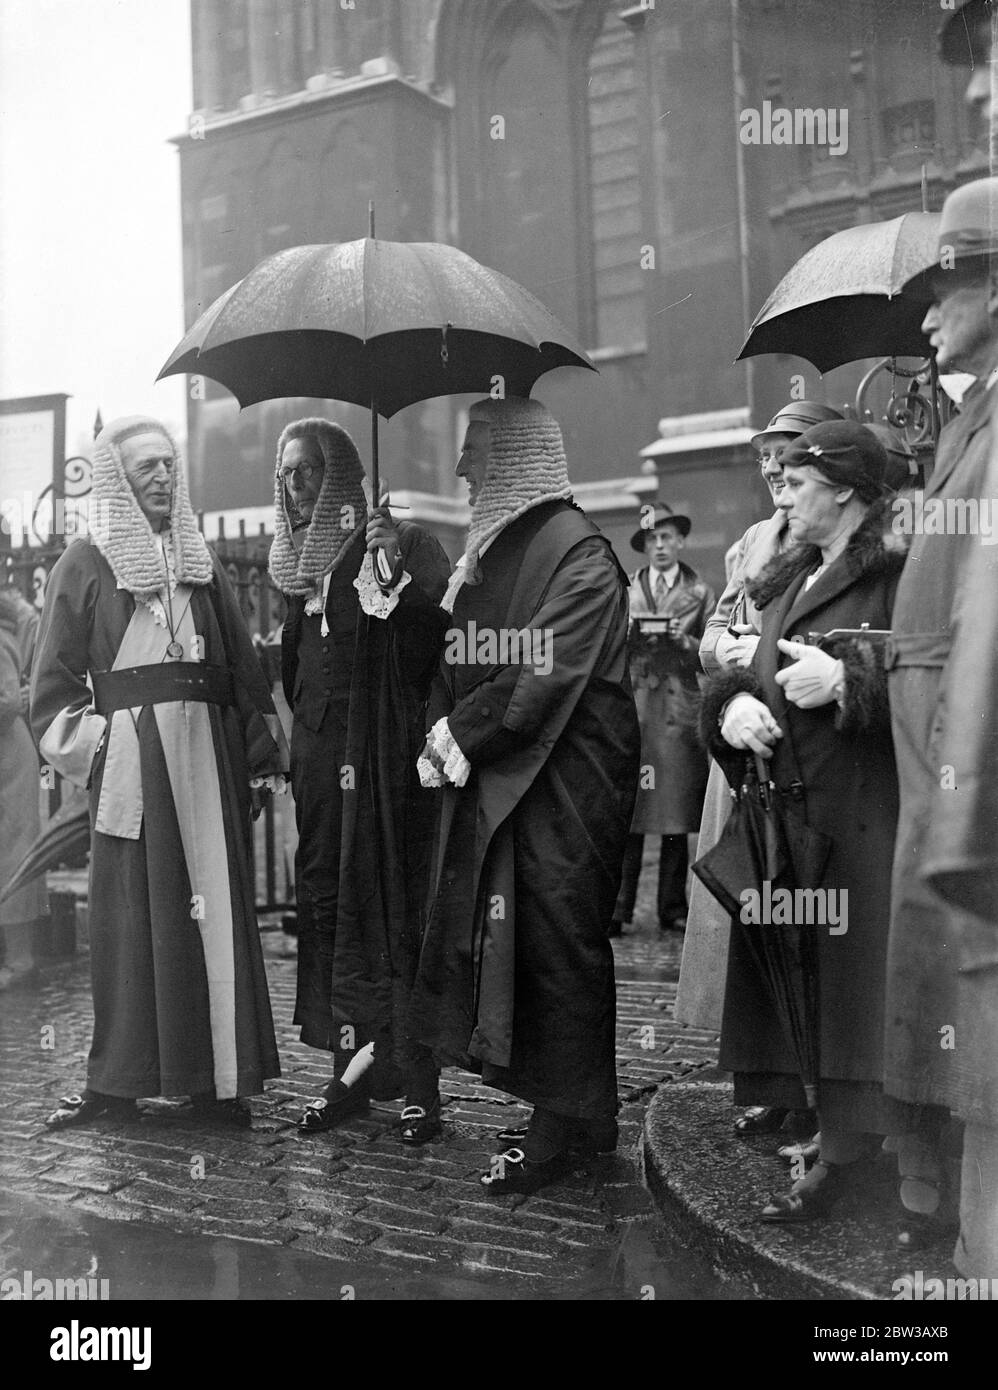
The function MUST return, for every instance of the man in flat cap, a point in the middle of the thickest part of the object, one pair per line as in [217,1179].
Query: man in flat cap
[147,690]
[669,608]
[533,734]
[942,1014]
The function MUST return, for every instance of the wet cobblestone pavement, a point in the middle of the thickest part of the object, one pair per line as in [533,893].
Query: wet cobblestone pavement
[352,1203]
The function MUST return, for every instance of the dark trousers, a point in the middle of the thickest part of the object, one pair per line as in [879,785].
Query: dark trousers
[673,866]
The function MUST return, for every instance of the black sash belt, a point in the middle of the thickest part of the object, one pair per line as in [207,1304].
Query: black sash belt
[158,685]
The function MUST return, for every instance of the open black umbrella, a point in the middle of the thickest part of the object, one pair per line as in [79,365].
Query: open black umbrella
[758,846]
[383,324]
[843,299]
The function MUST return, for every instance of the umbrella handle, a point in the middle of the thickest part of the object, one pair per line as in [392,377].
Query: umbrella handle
[382,569]
[762,773]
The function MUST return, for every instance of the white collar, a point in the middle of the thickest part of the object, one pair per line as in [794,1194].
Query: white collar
[670,575]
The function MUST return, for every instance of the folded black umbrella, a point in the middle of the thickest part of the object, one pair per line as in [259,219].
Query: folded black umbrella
[764,848]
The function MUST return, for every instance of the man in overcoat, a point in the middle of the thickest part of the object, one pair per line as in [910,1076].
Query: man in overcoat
[669,607]
[942,1016]
[533,734]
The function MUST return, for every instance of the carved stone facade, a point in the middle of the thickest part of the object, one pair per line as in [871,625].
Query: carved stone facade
[588,148]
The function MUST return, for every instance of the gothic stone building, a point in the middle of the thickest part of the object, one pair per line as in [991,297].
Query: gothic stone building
[590,149]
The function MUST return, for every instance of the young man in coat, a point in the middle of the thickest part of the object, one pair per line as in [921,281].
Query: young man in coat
[534,736]
[942,1018]
[146,689]
[669,608]
[358,654]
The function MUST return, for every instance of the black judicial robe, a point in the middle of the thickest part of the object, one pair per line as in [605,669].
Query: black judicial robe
[516,973]
[365,824]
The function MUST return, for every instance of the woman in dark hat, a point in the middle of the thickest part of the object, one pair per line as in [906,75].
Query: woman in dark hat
[730,639]
[819,718]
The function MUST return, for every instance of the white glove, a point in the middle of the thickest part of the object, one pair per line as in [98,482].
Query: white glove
[747,723]
[736,645]
[814,679]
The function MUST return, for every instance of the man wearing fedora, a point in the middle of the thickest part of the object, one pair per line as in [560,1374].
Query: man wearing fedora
[942,985]
[669,607]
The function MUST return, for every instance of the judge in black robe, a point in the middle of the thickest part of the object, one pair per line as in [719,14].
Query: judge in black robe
[357,658]
[534,731]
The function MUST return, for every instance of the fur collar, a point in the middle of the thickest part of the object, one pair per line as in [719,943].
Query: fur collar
[873,548]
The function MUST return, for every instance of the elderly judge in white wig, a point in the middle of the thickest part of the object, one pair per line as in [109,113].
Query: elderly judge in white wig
[146,689]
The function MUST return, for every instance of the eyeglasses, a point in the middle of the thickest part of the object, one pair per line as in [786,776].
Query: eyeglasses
[304,470]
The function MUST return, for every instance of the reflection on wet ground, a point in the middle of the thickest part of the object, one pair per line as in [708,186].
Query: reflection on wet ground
[141,1261]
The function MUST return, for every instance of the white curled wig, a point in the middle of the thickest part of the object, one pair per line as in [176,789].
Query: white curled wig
[120,529]
[340,510]
[527,466]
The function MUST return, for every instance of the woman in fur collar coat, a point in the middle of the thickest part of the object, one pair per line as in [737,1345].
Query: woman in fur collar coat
[821,719]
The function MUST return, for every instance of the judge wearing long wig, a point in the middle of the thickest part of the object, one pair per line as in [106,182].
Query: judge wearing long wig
[359,646]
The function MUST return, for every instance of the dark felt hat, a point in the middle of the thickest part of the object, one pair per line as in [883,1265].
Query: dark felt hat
[845,453]
[650,520]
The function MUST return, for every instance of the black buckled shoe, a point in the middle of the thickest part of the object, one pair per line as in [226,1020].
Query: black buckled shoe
[79,1109]
[418,1125]
[513,1171]
[323,1114]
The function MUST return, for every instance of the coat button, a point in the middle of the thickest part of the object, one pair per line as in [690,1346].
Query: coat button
[484,711]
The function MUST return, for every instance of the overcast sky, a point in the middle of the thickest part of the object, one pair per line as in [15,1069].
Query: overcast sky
[90,251]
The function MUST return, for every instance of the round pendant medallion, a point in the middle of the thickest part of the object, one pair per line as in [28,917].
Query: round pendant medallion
[175,650]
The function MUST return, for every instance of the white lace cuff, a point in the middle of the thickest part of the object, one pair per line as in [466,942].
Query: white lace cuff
[276,783]
[373,599]
[429,776]
[456,766]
